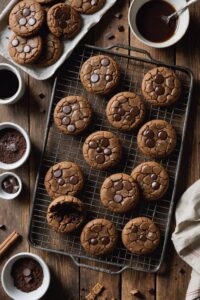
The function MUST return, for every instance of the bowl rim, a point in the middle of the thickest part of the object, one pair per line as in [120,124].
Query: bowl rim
[7,196]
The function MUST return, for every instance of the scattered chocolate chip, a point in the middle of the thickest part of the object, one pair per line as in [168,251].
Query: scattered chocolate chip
[137,294]
[121,28]
[182,271]
[152,291]
[110,36]
[118,15]
[42,109]
[42,96]
[2,227]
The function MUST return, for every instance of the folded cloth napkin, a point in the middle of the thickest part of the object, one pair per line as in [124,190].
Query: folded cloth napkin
[186,237]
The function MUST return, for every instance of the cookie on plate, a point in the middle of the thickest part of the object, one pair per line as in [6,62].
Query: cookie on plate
[152,179]
[119,193]
[25,50]
[87,6]
[63,21]
[26,18]
[125,111]
[64,178]
[65,214]
[99,237]
[102,149]
[100,74]
[156,138]
[72,114]
[141,236]
[161,86]
[44,1]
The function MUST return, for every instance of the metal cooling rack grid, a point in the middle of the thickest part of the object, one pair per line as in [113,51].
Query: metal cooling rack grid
[60,147]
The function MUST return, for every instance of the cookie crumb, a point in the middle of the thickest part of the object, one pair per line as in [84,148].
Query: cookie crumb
[121,28]
[182,271]
[2,227]
[95,291]
[152,291]
[136,293]
[110,36]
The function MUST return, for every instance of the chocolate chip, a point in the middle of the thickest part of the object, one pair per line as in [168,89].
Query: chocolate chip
[27,49]
[66,121]
[162,135]
[61,181]
[71,128]
[93,144]
[142,238]
[118,198]
[41,95]
[105,240]
[154,176]
[104,142]
[159,90]
[57,173]
[93,241]
[105,62]
[100,159]
[67,109]
[109,78]
[28,279]
[127,185]
[22,21]
[26,12]
[74,180]
[26,272]
[94,78]
[129,118]
[32,21]
[15,42]
[150,143]
[159,79]
[118,15]
[118,185]
[117,118]
[121,28]
[134,228]
[107,151]
[109,35]
[155,185]
[93,2]
[63,24]
[99,150]
[135,111]
[2,227]
[148,133]
[121,112]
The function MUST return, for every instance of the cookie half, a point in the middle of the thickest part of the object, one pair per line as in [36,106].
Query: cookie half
[87,6]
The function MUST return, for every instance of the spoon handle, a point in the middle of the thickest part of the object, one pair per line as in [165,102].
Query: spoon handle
[178,12]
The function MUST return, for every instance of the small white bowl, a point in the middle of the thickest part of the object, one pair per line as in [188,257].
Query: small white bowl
[22,160]
[9,196]
[182,25]
[8,284]
[21,89]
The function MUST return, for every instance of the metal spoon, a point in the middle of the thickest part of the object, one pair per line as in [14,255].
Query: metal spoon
[167,19]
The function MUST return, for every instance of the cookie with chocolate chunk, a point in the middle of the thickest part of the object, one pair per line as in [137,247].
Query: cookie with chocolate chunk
[152,179]
[99,237]
[72,114]
[44,1]
[87,6]
[102,149]
[25,50]
[63,21]
[141,236]
[125,111]
[161,86]
[100,74]
[119,193]
[26,18]
[64,178]
[156,138]
[65,214]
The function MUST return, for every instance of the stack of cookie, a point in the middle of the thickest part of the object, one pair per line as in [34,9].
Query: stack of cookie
[120,192]
[39,26]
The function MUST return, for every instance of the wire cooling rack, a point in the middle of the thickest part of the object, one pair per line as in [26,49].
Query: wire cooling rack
[59,147]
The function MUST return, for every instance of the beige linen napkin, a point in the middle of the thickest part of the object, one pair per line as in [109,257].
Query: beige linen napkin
[186,237]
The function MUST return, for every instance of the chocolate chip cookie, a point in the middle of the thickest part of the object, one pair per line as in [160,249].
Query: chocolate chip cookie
[125,111]
[25,50]
[156,138]
[87,6]
[26,18]
[99,237]
[119,193]
[44,1]
[141,236]
[161,86]
[63,21]
[100,74]
[64,178]
[72,114]
[65,214]
[152,179]
[51,51]
[102,149]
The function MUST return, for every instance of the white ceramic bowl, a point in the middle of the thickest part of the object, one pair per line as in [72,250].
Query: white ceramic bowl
[21,89]
[182,25]
[8,284]
[8,196]
[22,160]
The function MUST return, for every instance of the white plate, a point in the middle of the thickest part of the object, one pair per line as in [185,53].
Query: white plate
[44,73]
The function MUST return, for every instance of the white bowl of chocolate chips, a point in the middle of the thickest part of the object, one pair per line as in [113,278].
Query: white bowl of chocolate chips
[15,146]
[10,186]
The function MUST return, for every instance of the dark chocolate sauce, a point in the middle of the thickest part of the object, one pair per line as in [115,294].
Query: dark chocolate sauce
[150,24]
[9,84]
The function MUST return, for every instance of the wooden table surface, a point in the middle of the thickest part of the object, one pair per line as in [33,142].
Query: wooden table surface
[69,281]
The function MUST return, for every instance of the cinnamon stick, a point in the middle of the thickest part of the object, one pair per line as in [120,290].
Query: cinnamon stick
[8,242]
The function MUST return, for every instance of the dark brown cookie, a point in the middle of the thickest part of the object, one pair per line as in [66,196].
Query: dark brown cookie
[100,74]
[64,178]
[161,86]
[65,214]
[119,193]
[25,50]
[26,18]
[156,138]
[125,111]
[87,6]
[99,237]
[141,236]
[63,21]
[72,114]
[152,179]
[102,149]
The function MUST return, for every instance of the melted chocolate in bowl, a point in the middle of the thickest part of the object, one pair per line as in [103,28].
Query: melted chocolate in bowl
[150,24]
[9,84]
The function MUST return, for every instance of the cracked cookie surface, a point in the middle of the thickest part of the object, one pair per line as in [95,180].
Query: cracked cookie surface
[141,236]
[99,237]
[125,111]
[72,114]
[156,138]
[87,6]
[119,193]
[152,179]
[161,86]
[65,214]
[100,74]
[64,178]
